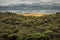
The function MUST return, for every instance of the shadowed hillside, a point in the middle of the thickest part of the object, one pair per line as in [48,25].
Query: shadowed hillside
[19,27]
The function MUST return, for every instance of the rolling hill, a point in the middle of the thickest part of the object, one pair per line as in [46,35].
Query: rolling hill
[19,27]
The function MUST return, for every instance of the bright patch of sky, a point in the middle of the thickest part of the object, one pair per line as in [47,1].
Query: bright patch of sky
[41,2]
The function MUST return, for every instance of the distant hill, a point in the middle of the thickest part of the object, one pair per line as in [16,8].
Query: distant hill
[29,7]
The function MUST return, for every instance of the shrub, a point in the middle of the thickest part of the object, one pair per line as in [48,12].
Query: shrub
[50,33]
[4,36]
[23,36]
[13,37]
[38,36]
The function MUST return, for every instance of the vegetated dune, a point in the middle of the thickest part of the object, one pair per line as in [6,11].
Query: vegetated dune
[20,27]
[34,14]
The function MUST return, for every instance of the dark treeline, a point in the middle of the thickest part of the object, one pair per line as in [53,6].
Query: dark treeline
[19,27]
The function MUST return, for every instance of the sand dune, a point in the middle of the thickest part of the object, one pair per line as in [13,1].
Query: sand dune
[33,14]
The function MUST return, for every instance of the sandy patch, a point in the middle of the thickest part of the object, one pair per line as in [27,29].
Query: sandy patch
[33,14]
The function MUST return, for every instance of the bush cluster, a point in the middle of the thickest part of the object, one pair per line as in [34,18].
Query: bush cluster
[19,27]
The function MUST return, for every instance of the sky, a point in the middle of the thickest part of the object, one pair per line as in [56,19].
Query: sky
[41,2]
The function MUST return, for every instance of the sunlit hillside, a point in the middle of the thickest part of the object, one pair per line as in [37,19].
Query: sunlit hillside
[34,14]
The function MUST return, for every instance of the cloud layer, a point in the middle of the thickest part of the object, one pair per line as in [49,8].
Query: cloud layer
[42,2]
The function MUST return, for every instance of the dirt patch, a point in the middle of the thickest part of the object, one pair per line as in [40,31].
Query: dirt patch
[38,15]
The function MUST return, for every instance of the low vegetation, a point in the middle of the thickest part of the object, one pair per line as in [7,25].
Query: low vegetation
[20,27]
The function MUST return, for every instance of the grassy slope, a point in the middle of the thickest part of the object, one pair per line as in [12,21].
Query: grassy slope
[12,23]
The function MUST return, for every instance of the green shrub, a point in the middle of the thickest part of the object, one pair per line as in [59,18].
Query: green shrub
[38,36]
[13,37]
[4,36]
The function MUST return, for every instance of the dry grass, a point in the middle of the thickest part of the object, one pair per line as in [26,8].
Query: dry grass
[34,14]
